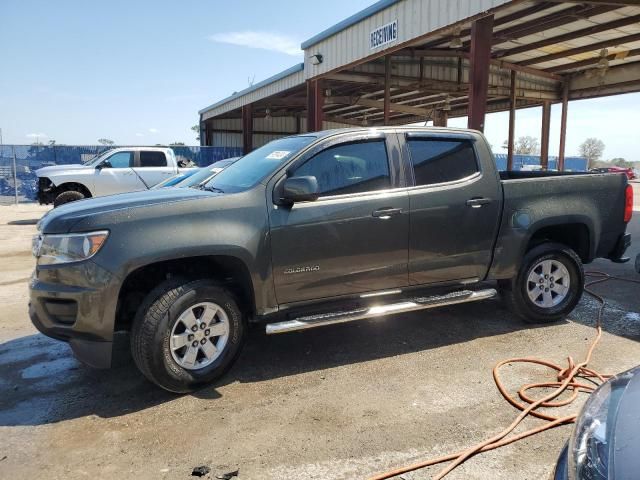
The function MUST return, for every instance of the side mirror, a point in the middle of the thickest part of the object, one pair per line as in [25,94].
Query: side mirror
[102,165]
[300,189]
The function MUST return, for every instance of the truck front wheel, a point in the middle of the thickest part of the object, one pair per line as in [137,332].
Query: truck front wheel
[187,334]
[548,286]
[66,197]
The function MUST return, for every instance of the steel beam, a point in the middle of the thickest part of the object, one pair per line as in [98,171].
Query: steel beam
[584,49]
[370,103]
[481,33]
[592,61]
[247,128]
[554,20]
[603,27]
[544,138]
[537,8]
[512,121]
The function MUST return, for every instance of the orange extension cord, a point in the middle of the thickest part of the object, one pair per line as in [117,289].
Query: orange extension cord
[567,378]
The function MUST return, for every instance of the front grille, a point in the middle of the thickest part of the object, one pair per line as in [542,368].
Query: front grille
[44,184]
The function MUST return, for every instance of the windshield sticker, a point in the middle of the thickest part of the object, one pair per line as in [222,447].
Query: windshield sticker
[278,154]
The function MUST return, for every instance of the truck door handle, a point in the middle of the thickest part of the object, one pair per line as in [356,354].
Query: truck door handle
[386,213]
[478,202]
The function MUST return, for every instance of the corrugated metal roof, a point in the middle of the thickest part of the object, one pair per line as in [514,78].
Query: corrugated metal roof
[347,22]
[254,88]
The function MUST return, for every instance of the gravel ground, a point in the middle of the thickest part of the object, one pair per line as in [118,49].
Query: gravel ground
[340,402]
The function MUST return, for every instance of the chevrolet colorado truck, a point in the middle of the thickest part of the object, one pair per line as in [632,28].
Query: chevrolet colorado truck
[118,170]
[312,230]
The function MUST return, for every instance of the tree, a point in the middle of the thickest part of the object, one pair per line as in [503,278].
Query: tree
[52,142]
[592,149]
[621,162]
[196,129]
[177,144]
[527,146]
[106,141]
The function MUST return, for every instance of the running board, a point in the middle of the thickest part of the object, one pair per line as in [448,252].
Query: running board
[409,305]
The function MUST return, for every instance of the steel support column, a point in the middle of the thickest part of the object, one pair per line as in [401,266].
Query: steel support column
[480,60]
[247,128]
[206,138]
[563,124]
[512,121]
[440,118]
[315,101]
[387,89]
[544,140]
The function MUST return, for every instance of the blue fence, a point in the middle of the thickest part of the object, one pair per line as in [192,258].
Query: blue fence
[18,163]
[29,158]
[571,164]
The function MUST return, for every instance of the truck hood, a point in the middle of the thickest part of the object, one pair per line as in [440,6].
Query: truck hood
[52,170]
[63,218]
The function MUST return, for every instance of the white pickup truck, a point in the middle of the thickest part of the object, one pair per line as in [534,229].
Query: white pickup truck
[120,170]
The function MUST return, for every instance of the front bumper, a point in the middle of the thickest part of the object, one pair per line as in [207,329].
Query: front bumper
[46,193]
[76,303]
[561,472]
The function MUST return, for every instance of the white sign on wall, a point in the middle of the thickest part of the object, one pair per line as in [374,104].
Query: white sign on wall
[383,35]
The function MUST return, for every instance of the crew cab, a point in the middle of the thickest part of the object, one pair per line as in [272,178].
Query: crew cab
[312,230]
[118,170]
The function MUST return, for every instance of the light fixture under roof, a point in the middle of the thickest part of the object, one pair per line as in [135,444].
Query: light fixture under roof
[267,114]
[364,120]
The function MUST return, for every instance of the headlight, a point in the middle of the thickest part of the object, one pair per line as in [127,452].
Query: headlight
[591,444]
[71,247]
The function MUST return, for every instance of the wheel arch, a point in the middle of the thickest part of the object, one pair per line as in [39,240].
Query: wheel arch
[230,270]
[575,233]
[73,186]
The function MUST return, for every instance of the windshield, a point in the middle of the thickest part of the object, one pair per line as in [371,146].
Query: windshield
[255,166]
[98,158]
[204,173]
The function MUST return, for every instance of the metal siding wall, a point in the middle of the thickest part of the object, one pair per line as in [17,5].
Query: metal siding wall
[227,140]
[278,86]
[415,18]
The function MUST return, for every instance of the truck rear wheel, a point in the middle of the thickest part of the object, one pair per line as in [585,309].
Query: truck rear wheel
[187,334]
[548,286]
[66,197]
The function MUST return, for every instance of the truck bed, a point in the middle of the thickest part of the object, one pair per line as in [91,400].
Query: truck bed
[538,200]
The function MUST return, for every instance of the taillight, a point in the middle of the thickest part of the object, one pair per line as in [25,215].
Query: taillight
[628,203]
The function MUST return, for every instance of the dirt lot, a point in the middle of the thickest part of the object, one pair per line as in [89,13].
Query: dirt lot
[334,403]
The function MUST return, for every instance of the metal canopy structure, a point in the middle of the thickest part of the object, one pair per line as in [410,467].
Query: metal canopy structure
[407,61]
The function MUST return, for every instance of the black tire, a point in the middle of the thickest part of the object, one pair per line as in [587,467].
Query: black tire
[514,291]
[68,196]
[153,324]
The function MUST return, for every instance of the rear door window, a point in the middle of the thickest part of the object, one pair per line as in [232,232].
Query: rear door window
[153,159]
[349,168]
[441,160]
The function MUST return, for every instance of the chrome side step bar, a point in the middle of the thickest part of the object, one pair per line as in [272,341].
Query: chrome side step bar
[408,305]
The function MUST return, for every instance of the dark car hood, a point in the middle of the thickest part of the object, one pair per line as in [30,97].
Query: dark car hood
[63,218]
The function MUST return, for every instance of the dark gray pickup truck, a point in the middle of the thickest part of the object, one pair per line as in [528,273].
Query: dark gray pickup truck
[312,230]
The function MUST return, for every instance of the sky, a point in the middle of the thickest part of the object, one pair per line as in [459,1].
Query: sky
[137,72]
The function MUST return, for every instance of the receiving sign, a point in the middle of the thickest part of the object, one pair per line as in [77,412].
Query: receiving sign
[382,35]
